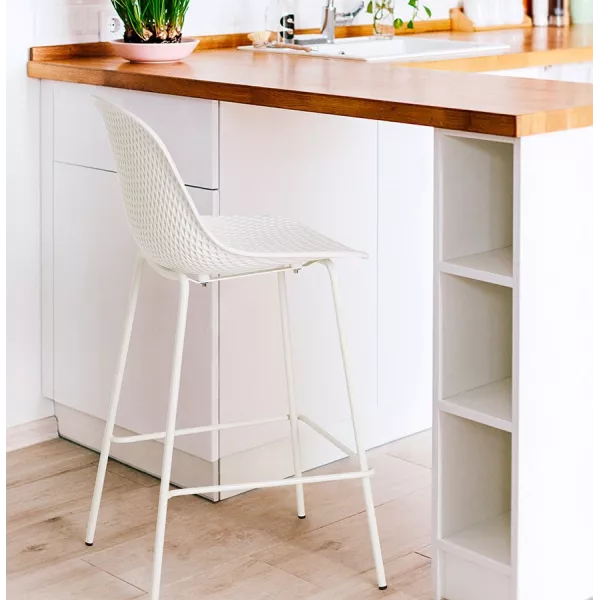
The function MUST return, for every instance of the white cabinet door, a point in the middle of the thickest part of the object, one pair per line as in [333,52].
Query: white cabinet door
[189,127]
[322,171]
[576,72]
[405,277]
[93,263]
[529,73]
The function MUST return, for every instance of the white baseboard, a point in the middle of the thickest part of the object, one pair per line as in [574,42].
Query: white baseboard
[187,470]
[28,434]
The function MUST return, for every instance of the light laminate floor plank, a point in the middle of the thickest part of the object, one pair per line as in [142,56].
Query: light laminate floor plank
[55,539]
[195,542]
[331,555]
[414,448]
[54,496]
[408,578]
[270,509]
[134,475]
[241,579]
[426,551]
[70,580]
[45,460]
[248,547]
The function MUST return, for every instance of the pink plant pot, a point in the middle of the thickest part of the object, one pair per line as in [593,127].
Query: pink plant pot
[154,53]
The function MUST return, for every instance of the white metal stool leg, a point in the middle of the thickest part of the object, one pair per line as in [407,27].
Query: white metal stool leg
[114,400]
[289,371]
[362,456]
[165,477]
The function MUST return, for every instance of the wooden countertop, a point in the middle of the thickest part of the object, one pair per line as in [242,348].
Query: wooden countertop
[421,96]
[534,47]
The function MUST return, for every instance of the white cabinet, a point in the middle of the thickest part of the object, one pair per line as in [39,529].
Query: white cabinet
[573,72]
[322,171]
[87,264]
[93,256]
[369,185]
[404,276]
[365,183]
[189,128]
[512,457]
[528,73]
[576,72]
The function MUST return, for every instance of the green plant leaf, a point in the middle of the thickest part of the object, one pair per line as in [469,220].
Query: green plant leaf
[398,23]
[410,24]
[370,7]
[427,10]
[154,21]
[412,3]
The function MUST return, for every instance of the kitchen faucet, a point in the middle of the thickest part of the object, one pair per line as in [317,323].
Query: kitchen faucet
[331,19]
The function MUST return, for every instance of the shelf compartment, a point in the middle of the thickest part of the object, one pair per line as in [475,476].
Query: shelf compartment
[489,404]
[494,266]
[486,543]
[474,198]
[475,492]
[467,580]
[475,329]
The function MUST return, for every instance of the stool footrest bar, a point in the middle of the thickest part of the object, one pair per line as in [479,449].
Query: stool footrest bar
[345,449]
[206,428]
[229,487]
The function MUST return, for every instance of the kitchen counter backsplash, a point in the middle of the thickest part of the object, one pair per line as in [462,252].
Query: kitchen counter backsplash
[76,21]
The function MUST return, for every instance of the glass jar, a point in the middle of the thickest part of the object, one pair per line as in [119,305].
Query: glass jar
[383,19]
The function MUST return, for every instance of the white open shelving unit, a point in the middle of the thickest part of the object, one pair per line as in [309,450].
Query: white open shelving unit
[511,469]
[474,363]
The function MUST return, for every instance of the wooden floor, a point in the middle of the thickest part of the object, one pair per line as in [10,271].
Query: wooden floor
[251,547]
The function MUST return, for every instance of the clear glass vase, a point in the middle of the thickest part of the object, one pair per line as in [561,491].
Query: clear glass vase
[383,19]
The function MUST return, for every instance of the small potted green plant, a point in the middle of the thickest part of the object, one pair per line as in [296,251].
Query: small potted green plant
[384,22]
[153,30]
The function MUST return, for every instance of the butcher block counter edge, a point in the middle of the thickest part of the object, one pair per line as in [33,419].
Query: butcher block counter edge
[471,102]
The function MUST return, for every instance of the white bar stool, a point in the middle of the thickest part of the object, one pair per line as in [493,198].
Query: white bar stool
[179,244]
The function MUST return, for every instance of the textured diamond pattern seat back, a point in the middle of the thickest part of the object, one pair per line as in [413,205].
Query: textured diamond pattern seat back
[168,229]
[162,217]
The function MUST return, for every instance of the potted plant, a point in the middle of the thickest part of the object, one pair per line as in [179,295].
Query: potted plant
[153,30]
[384,23]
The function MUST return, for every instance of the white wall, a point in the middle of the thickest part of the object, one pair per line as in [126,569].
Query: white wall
[65,21]
[23,376]
[249,15]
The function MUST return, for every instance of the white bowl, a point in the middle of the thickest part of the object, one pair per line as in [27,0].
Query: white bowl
[154,53]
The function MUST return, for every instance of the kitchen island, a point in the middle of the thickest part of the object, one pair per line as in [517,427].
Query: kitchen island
[472,194]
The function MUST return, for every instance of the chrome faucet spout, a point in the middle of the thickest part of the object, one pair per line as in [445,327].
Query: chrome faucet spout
[348,17]
[331,19]
[328,28]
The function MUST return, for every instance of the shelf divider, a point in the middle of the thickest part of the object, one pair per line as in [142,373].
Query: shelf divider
[494,266]
[490,404]
[486,543]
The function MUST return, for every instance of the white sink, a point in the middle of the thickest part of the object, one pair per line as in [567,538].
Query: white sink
[405,48]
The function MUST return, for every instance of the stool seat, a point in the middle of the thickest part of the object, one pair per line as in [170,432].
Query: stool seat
[255,243]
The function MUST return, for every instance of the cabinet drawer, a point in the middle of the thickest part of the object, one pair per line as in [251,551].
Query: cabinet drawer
[187,126]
